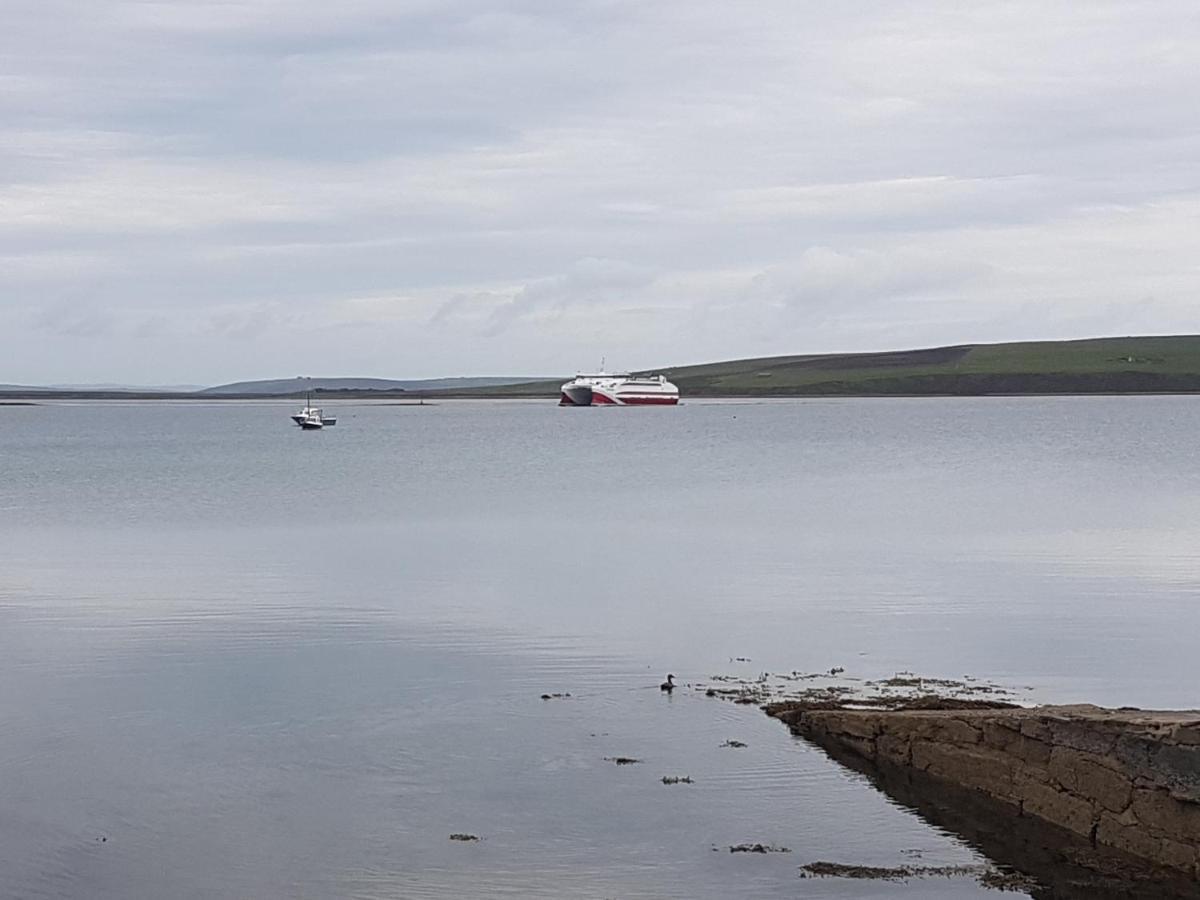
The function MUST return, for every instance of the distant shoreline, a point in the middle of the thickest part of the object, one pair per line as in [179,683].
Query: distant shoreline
[1112,366]
[40,398]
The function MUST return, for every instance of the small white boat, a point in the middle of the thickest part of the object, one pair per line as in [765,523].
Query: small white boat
[312,421]
[309,411]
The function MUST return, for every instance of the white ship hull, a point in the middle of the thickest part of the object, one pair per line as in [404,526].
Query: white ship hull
[618,390]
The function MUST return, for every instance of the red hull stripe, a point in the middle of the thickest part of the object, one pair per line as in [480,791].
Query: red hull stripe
[649,401]
[599,399]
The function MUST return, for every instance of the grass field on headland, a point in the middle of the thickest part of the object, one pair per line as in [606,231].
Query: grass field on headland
[1124,365]
[1096,366]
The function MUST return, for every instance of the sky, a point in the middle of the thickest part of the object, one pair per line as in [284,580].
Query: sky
[201,192]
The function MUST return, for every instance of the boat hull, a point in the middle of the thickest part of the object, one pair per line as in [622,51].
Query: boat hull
[313,412]
[576,395]
[618,391]
[647,401]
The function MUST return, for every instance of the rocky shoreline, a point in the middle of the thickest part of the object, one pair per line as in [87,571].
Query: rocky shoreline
[1125,781]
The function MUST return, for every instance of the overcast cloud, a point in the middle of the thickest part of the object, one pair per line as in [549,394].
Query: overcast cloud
[209,191]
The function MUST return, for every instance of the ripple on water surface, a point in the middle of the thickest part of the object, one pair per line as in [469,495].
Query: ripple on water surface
[250,696]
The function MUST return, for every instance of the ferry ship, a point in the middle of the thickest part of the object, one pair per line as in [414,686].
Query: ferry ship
[610,389]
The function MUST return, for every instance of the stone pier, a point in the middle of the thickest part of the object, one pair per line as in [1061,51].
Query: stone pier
[1124,779]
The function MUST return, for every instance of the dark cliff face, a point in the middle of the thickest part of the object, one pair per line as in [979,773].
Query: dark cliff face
[1116,793]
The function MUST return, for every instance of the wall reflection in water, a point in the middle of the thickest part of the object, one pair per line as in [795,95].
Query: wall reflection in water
[1064,864]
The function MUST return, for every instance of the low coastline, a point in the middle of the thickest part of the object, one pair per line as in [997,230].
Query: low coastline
[1131,365]
[429,398]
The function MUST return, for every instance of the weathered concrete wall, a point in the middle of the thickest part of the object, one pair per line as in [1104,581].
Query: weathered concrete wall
[1123,778]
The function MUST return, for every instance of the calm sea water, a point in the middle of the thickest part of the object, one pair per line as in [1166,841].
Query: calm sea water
[242,660]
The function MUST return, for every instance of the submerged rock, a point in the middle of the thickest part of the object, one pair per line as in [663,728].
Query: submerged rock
[758,848]
[901,873]
[1009,881]
[985,875]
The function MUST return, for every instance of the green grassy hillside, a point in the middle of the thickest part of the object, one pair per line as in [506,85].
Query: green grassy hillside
[1102,365]
[1128,365]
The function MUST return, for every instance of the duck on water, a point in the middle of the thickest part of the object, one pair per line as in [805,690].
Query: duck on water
[668,685]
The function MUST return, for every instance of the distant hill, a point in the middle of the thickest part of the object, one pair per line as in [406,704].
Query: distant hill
[1124,365]
[104,388]
[136,388]
[300,385]
[1118,365]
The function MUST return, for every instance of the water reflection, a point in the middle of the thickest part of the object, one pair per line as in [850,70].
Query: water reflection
[255,695]
[1065,864]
